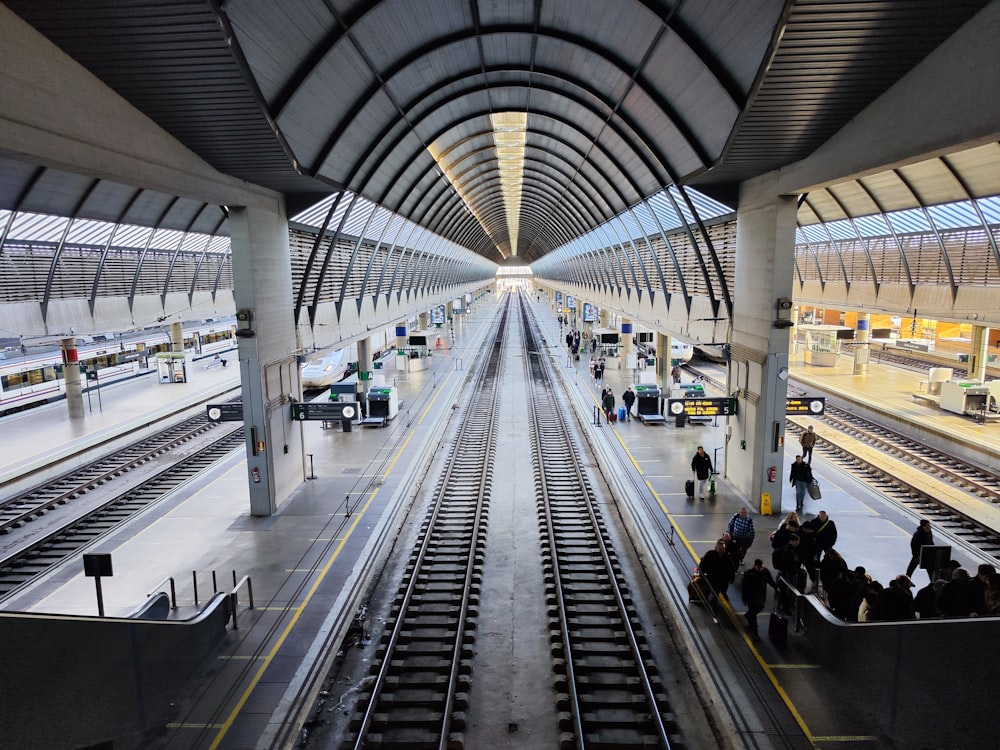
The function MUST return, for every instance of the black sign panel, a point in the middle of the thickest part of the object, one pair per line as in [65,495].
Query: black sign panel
[325,410]
[702,407]
[231,412]
[814,405]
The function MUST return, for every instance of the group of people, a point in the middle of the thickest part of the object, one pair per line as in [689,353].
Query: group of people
[608,402]
[597,365]
[719,565]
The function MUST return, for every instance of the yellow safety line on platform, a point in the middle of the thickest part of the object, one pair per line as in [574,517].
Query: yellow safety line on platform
[227,725]
[191,725]
[430,404]
[847,738]
[732,616]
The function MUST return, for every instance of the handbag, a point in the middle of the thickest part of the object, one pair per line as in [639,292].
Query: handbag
[814,490]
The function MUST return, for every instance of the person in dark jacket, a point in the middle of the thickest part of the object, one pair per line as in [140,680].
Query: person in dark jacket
[832,567]
[701,465]
[800,477]
[820,534]
[628,398]
[896,602]
[717,567]
[921,537]
[755,583]
[609,403]
[789,563]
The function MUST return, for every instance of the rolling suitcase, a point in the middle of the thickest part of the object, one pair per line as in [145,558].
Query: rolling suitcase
[689,488]
[777,628]
[621,414]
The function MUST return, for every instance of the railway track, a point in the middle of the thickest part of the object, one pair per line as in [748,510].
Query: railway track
[938,465]
[606,679]
[419,687]
[75,529]
[605,690]
[114,469]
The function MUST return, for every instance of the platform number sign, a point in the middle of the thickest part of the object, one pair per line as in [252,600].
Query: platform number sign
[703,407]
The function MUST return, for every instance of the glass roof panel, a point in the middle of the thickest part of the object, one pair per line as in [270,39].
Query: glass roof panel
[872,226]
[815,233]
[29,227]
[842,230]
[909,221]
[89,232]
[954,215]
[991,209]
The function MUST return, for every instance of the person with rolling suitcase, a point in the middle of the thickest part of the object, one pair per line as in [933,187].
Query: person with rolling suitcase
[701,465]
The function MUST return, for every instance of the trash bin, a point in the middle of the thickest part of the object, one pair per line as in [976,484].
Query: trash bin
[345,424]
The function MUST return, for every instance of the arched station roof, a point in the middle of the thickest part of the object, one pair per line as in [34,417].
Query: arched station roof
[507,128]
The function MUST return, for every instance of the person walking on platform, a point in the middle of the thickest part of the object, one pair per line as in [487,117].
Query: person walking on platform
[923,536]
[800,478]
[755,583]
[608,403]
[717,567]
[808,441]
[628,398]
[701,465]
[676,374]
[741,528]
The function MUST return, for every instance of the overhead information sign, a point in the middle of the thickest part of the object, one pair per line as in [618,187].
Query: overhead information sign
[702,407]
[814,405]
[230,412]
[326,411]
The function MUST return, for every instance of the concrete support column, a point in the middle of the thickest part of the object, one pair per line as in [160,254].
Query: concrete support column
[177,337]
[605,318]
[400,338]
[423,321]
[663,366]
[365,368]
[269,367]
[861,345]
[71,377]
[977,356]
[765,247]
[626,339]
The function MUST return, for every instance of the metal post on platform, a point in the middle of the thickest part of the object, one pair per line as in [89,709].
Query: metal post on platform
[312,474]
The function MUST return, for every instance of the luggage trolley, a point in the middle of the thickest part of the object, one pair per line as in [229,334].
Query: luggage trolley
[383,405]
[647,404]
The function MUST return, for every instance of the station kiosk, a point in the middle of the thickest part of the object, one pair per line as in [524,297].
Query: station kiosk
[647,403]
[383,405]
[418,348]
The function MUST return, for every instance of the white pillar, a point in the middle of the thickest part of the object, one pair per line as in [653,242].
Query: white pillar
[977,356]
[269,367]
[765,247]
[861,346]
[71,377]
[177,337]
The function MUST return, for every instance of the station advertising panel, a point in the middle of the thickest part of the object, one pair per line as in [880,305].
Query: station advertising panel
[702,407]
[570,301]
[559,297]
[437,315]
[812,405]
[589,313]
